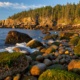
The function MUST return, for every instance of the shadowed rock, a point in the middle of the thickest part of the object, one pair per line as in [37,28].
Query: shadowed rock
[14,37]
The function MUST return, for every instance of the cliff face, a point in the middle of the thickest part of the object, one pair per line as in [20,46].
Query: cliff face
[27,22]
[33,23]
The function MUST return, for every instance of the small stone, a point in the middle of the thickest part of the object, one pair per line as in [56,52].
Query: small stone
[17,77]
[39,58]
[62,61]
[56,54]
[67,52]
[29,78]
[16,49]
[74,64]
[43,50]
[57,60]
[61,51]
[47,62]
[8,78]
[29,59]
[36,70]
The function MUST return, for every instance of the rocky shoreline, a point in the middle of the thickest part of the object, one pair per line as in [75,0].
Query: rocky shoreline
[35,24]
[60,53]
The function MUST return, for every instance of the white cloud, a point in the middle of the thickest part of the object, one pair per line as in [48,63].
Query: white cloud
[18,5]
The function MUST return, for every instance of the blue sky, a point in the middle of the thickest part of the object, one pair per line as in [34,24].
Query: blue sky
[10,7]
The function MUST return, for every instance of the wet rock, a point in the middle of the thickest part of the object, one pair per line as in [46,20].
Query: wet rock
[43,50]
[35,62]
[53,62]
[39,48]
[51,49]
[35,54]
[8,78]
[45,32]
[56,54]
[57,60]
[16,49]
[34,43]
[51,57]
[29,59]
[29,78]
[40,58]
[56,66]
[50,36]
[46,56]
[47,62]
[22,50]
[61,51]
[62,61]
[50,42]
[68,48]
[74,57]
[54,47]
[65,35]
[14,37]
[74,64]
[67,52]
[57,43]
[17,77]
[37,69]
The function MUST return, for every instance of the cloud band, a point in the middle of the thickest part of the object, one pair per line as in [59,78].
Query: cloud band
[18,5]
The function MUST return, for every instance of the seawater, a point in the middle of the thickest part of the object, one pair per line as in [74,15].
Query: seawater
[36,34]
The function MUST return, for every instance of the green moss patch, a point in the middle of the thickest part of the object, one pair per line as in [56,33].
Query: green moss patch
[56,74]
[77,49]
[74,40]
[7,58]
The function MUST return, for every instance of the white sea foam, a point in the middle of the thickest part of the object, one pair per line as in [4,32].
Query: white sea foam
[3,50]
[21,44]
[10,49]
[23,48]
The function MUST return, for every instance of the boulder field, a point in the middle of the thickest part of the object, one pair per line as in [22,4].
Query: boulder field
[59,59]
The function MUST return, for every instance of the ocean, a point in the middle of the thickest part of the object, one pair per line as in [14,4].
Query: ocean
[36,34]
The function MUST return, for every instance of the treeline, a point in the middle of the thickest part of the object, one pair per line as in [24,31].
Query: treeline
[68,14]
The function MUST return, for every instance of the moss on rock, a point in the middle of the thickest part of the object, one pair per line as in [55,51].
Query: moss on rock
[74,40]
[56,74]
[77,49]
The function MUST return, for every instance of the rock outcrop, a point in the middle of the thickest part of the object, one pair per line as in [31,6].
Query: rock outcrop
[14,37]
